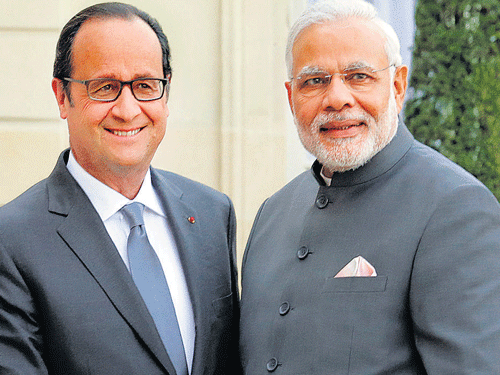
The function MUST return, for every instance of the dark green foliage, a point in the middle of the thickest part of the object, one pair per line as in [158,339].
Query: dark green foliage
[456,79]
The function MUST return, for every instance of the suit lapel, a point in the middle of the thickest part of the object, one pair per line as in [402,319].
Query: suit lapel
[85,234]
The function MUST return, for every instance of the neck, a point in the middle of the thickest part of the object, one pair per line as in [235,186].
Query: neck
[125,180]
[128,186]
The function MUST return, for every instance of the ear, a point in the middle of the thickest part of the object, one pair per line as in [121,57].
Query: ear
[288,85]
[400,85]
[167,89]
[167,94]
[61,97]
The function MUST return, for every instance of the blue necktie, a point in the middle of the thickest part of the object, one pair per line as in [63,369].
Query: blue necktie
[148,275]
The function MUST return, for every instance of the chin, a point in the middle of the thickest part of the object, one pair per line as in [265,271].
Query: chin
[346,154]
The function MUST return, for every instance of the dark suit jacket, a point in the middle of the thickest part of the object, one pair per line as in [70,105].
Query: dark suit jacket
[68,305]
[431,231]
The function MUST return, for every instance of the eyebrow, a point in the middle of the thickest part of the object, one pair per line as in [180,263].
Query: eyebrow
[135,76]
[312,70]
[358,65]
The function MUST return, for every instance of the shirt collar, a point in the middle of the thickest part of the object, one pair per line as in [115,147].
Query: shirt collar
[328,180]
[108,201]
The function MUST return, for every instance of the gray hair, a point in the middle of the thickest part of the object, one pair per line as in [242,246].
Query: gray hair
[334,10]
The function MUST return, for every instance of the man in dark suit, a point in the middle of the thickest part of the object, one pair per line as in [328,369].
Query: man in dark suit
[68,303]
[386,258]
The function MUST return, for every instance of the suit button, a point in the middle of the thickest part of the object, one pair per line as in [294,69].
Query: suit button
[284,308]
[272,364]
[303,252]
[321,201]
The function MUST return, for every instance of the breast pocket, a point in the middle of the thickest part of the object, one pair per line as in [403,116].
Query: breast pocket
[355,284]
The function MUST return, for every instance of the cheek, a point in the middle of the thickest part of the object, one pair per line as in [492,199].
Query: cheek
[375,104]
[378,109]
[160,129]
[90,113]
[158,116]
[305,110]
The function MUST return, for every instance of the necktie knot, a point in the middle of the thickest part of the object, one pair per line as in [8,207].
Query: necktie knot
[133,212]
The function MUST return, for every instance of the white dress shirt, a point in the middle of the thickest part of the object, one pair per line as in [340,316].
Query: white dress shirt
[108,203]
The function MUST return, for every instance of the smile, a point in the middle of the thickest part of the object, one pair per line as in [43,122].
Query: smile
[340,128]
[122,133]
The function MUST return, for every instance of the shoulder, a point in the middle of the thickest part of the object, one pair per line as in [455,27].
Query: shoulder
[443,192]
[187,189]
[25,220]
[434,169]
[30,203]
[297,195]
[298,186]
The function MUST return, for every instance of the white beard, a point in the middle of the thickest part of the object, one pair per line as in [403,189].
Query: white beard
[343,154]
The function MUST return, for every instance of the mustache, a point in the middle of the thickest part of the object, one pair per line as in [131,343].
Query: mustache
[326,118]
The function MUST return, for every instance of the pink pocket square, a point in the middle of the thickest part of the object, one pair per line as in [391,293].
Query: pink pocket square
[358,267]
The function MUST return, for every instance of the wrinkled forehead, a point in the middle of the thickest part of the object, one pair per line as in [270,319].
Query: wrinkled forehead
[347,28]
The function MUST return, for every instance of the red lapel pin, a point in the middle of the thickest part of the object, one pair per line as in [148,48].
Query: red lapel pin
[191,219]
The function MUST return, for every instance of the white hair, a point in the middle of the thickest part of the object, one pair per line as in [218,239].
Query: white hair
[334,10]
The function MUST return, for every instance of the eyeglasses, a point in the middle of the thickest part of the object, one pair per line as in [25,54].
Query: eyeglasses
[316,82]
[108,89]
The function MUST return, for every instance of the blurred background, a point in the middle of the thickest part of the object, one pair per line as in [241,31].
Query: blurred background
[230,126]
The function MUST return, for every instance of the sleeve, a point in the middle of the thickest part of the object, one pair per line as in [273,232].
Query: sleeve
[20,336]
[455,285]
[233,365]
[250,237]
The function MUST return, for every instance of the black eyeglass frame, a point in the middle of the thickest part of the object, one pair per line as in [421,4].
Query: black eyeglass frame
[165,82]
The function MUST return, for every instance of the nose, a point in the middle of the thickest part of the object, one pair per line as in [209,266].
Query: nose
[337,95]
[126,106]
